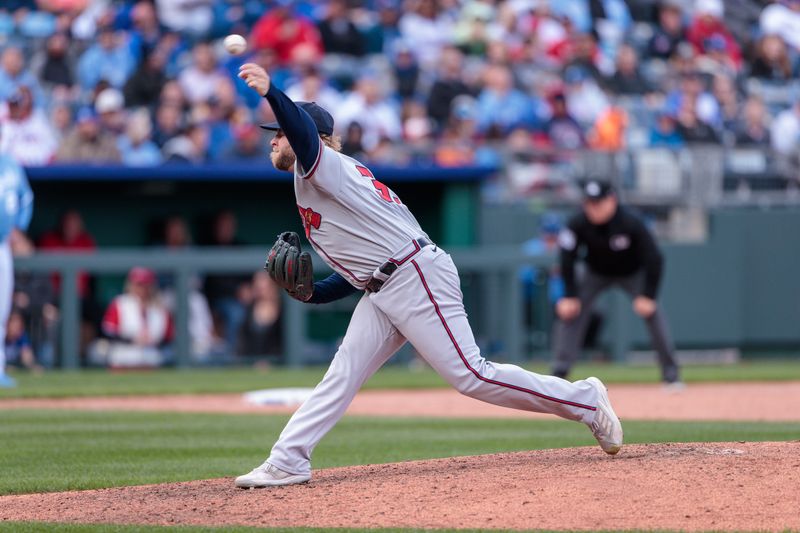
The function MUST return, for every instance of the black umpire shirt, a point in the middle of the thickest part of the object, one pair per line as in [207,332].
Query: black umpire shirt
[618,248]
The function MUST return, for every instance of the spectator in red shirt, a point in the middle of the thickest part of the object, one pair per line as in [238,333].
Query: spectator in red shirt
[708,30]
[283,31]
[69,236]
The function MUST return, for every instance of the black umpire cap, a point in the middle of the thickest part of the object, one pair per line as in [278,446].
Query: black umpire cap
[597,190]
[322,119]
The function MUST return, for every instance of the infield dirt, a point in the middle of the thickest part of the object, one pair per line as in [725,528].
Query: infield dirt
[706,486]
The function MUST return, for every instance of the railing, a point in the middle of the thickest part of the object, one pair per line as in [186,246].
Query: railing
[502,294]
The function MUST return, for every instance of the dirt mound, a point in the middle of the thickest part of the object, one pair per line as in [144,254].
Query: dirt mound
[719,486]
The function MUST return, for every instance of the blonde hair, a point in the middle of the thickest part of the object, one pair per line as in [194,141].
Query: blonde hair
[333,142]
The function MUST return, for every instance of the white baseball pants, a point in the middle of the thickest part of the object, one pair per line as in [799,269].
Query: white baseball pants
[420,303]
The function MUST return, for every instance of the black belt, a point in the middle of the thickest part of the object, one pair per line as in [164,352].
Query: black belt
[374,284]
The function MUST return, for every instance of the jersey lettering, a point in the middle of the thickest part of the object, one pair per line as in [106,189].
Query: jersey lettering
[382,189]
[310,219]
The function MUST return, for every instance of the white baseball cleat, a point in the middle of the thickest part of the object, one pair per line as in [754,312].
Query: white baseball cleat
[606,426]
[268,475]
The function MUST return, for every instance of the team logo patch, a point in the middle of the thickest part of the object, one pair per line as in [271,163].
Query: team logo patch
[620,242]
[311,219]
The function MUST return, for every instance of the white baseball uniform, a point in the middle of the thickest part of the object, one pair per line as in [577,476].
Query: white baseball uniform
[356,224]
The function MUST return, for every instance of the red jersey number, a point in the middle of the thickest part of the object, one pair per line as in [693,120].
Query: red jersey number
[382,189]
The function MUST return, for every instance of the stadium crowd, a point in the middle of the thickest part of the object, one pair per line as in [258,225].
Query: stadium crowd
[146,82]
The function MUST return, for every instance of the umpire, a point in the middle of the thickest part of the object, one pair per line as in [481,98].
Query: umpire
[617,250]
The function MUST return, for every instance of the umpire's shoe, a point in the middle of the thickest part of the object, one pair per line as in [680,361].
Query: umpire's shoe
[268,475]
[605,427]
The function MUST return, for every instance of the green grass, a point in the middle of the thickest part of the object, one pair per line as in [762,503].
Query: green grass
[43,451]
[99,382]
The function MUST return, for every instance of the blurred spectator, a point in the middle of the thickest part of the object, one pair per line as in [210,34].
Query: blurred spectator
[168,124]
[227,293]
[338,32]
[471,32]
[352,141]
[608,133]
[429,27]
[144,86]
[137,325]
[56,65]
[248,146]
[369,107]
[135,146]
[60,121]
[145,33]
[221,117]
[27,135]
[664,133]
[110,108]
[71,236]
[18,347]
[172,94]
[200,80]
[753,126]
[708,33]
[585,100]
[189,147]
[108,59]
[785,130]
[563,131]
[284,31]
[311,87]
[693,89]
[771,60]
[35,299]
[190,18]
[205,346]
[582,55]
[627,78]
[725,92]
[501,105]
[406,72]
[692,129]
[14,75]
[448,85]
[669,31]
[261,333]
[84,143]
[782,19]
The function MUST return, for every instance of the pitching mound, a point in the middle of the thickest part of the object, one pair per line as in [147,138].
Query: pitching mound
[719,486]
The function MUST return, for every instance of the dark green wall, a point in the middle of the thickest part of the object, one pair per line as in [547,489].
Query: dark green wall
[119,214]
[741,288]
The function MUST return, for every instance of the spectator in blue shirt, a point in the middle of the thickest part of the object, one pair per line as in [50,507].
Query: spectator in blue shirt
[108,59]
[502,106]
[135,146]
[665,133]
[14,75]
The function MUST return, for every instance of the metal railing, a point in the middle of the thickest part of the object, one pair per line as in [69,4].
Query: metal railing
[502,294]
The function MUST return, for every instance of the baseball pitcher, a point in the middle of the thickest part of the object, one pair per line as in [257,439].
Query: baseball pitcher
[411,293]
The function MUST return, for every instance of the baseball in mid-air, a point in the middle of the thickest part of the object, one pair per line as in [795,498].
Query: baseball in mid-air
[235,44]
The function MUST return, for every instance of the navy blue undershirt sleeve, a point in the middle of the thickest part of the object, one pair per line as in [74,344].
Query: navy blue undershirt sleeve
[330,289]
[297,125]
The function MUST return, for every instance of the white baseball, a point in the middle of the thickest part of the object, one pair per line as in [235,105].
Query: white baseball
[235,44]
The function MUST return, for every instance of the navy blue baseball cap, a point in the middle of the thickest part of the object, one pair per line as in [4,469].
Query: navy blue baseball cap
[322,119]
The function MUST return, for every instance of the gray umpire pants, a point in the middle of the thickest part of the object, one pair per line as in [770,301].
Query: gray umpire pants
[568,335]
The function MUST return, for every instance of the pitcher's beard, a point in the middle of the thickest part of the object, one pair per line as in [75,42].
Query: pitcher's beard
[282,161]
